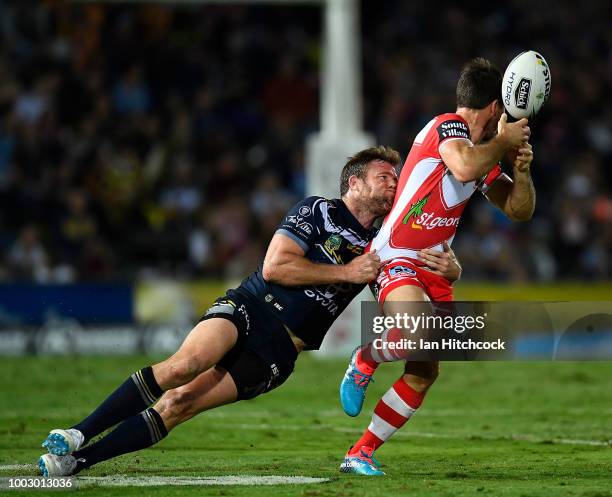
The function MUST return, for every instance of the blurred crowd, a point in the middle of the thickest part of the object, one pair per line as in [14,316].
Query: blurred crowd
[156,140]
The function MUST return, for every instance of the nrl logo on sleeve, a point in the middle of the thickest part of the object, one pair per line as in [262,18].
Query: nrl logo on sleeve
[521,94]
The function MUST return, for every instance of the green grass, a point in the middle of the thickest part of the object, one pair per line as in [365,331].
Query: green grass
[491,429]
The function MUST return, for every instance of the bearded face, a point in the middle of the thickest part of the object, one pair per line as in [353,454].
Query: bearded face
[377,190]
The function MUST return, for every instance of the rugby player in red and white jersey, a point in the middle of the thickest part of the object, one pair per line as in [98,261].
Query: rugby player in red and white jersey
[453,156]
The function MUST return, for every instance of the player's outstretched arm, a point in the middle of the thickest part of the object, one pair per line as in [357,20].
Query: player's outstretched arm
[285,264]
[516,198]
[469,162]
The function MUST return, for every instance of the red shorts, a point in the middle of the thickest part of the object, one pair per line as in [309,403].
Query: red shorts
[400,272]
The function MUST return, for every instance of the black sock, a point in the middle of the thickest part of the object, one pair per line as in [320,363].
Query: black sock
[138,432]
[137,393]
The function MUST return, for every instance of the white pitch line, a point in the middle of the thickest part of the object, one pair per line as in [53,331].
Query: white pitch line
[156,481]
[12,467]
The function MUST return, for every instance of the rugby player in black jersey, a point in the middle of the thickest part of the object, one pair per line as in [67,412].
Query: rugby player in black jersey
[246,344]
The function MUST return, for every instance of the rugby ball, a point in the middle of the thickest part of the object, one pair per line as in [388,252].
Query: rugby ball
[526,85]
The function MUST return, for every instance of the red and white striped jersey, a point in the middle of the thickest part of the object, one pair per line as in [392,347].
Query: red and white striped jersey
[429,200]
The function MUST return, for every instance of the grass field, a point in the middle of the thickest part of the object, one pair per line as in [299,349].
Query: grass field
[491,429]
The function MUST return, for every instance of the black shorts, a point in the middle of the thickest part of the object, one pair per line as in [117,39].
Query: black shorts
[264,355]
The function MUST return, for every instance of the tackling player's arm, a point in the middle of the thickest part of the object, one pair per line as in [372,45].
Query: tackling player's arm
[469,162]
[516,197]
[443,263]
[285,264]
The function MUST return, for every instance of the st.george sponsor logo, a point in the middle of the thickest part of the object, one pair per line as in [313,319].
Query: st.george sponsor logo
[521,94]
[426,219]
[415,211]
[429,222]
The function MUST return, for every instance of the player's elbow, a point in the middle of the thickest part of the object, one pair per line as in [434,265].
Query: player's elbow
[463,176]
[268,272]
[520,216]
[525,217]
[271,272]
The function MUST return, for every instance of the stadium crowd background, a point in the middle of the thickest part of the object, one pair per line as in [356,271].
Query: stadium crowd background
[146,140]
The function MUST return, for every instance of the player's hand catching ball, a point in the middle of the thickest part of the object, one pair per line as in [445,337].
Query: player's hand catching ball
[443,263]
[524,158]
[513,134]
[364,268]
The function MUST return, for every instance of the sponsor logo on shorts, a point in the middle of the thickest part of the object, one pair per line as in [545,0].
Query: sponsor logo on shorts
[274,377]
[401,271]
[242,310]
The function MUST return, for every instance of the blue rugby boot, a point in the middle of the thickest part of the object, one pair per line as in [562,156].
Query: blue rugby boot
[354,385]
[361,462]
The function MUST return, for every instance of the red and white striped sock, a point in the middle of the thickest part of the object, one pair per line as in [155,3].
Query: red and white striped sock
[396,407]
[389,349]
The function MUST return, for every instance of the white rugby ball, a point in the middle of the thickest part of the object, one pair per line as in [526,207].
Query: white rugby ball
[526,85]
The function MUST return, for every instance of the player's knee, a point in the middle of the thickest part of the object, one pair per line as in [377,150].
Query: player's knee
[178,371]
[177,406]
[421,375]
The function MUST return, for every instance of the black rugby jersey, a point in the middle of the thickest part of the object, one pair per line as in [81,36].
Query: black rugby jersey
[329,234]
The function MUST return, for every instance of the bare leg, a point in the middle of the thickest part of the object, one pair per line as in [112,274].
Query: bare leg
[210,389]
[421,375]
[205,345]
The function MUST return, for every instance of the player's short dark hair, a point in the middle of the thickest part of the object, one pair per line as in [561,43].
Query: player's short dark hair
[479,84]
[358,163]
